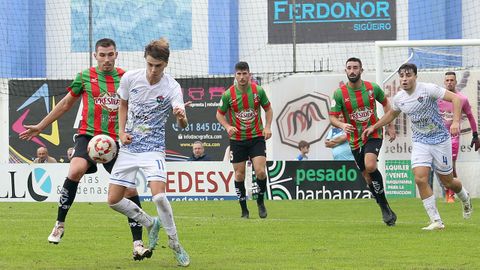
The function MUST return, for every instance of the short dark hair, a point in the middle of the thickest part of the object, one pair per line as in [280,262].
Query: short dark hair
[242,66]
[105,42]
[158,49]
[451,73]
[407,67]
[354,59]
[302,144]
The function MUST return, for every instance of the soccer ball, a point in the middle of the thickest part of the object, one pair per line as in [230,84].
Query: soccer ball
[102,148]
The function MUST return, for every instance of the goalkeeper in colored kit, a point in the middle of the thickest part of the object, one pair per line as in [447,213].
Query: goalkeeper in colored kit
[446,111]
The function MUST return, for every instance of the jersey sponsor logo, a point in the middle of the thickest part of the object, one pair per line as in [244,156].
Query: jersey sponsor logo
[246,115]
[361,115]
[108,101]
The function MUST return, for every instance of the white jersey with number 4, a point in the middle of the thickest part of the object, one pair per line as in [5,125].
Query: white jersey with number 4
[148,109]
[422,109]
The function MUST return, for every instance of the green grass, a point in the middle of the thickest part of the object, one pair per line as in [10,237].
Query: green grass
[296,235]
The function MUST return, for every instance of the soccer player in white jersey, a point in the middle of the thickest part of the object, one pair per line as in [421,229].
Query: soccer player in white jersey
[431,139]
[146,98]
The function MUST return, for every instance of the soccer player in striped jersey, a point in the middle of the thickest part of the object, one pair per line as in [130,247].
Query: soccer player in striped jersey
[356,100]
[431,139]
[239,113]
[446,111]
[96,88]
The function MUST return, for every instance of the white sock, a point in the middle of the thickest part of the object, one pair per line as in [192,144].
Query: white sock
[431,208]
[131,210]
[165,213]
[137,243]
[463,195]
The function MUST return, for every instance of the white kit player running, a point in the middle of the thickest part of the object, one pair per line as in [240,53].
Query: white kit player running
[146,98]
[431,139]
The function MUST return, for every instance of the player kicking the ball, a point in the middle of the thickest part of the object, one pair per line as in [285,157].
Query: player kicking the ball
[89,85]
[146,98]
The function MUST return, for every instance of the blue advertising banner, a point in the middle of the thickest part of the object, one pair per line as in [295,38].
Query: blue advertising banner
[321,21]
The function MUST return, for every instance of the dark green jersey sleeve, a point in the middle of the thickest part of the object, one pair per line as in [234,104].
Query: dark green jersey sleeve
[337,102]
[379,94]
[76,87]
[263,97]
[224,102]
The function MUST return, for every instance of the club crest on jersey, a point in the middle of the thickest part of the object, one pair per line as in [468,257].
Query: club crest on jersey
[420,99]
[246,115]
[160,99]
[361,114]
[370,94]
[108,101]
[256,100]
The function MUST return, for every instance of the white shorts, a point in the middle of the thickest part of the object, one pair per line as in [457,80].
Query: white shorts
[440,155]
[125,169]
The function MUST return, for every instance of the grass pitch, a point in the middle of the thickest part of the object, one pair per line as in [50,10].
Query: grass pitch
[296,235]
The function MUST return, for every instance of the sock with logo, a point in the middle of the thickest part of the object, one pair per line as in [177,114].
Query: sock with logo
[135,227]
[377,185]
[372,190]
[67,196]
[262,185]
[241,194]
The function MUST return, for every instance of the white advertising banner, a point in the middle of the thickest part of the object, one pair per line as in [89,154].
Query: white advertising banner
[186,181]
[301,104]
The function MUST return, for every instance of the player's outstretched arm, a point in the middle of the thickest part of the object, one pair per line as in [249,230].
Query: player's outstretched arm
[125,138]
[390,131]
[386,119]
[457,110]
[62,107]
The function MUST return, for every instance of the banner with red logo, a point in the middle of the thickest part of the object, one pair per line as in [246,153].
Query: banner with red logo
[301,113]
[186,181]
